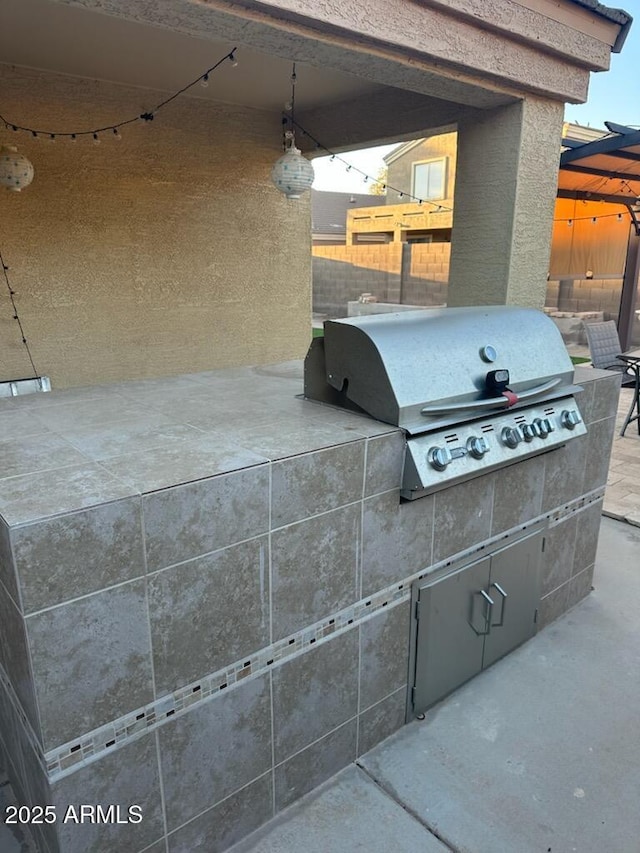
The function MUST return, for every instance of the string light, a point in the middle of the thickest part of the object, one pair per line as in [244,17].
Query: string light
[16,316]
[146,117]
[592,219]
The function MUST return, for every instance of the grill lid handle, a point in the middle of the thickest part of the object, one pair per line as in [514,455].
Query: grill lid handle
[492,402]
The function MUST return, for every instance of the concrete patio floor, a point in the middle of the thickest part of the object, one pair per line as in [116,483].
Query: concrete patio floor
[538,754]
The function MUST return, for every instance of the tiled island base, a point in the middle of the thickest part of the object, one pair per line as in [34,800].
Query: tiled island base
[205,587]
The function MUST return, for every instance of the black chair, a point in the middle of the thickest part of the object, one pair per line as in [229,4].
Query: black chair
[605,349]
[606,354]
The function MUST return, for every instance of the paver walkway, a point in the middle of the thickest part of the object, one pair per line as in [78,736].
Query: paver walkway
[622,498]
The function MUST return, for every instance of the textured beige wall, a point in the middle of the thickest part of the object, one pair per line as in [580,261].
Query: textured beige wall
[167,252]
[506,181]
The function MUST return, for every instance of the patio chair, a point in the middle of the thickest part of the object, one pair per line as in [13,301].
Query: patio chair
[604,346]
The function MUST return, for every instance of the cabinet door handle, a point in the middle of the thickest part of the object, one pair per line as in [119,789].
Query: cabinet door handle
[487,615]
[504,604]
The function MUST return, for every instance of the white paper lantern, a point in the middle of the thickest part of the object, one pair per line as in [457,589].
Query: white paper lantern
[16,171]
[292,173]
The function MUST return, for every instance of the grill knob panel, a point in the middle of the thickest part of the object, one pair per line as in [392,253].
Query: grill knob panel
[439,457]
[477,446]
[570,418]
[512,436]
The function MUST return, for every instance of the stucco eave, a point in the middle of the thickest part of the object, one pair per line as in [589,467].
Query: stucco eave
[405,33]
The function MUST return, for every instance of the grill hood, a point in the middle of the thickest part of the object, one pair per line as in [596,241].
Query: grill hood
[426,369]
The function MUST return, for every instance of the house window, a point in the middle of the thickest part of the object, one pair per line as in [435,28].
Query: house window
[429,179]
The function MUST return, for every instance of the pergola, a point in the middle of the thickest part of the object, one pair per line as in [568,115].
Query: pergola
[608,169]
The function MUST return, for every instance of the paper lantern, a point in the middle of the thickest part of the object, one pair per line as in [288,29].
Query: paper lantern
[16,171]
[292,173]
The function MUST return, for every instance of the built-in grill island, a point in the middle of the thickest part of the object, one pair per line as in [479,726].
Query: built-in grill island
[474,390]
[215,593]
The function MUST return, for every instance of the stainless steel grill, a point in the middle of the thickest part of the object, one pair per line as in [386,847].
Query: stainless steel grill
[474,389]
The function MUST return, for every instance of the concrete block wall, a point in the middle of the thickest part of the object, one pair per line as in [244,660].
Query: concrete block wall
[583,295]
[342,273]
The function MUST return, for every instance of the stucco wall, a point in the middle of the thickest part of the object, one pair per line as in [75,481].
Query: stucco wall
[166,252]
[506,182]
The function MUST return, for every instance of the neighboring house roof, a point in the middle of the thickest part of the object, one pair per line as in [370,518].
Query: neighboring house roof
[329,209]
[401,150]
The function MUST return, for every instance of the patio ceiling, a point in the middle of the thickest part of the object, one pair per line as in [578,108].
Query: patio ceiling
[356,98]
[80,42]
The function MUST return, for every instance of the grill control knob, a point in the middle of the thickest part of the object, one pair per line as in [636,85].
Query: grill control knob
[512,436]
[542,426]
[477,446]
[439,457]
[528,431]
[570,418]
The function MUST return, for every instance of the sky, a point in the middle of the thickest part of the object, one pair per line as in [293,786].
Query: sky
[614,95]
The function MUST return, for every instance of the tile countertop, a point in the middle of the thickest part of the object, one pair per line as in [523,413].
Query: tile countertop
[66,450]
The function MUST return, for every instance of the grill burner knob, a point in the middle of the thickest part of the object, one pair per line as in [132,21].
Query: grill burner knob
[477,446]
[542,426]
[439,457]
[570,418]
[512,436]
[528,431]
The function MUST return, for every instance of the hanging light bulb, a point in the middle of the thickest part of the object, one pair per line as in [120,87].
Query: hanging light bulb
[96,139]
[292,173]
[204,81]
[16,171]
[117,133]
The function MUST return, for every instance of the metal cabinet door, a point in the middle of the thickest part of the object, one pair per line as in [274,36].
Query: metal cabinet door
[452,618]
[515,572]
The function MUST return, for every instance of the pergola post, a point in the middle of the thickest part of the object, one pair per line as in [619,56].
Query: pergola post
[629,293]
